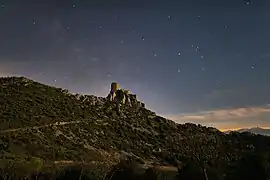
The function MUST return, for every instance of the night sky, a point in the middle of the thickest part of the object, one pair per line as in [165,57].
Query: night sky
[200,61]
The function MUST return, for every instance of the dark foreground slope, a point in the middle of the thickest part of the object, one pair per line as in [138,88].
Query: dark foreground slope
[43,127]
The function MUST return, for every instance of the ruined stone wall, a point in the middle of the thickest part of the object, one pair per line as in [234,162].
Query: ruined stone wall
[123,97]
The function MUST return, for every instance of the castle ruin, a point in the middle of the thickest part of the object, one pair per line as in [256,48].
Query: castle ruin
[123,96]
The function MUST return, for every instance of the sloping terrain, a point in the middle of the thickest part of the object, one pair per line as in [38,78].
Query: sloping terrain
[46,122]
[55,126]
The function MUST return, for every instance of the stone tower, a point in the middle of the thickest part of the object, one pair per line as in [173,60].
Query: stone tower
[123,96]
[114,87]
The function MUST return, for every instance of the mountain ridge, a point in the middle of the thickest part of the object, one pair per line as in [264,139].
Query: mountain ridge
[255,130]
[52,126]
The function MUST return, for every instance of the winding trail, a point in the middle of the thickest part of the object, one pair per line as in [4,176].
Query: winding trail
[38,127]
[70,162]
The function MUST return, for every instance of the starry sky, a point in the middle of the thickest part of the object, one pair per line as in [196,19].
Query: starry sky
[205,62]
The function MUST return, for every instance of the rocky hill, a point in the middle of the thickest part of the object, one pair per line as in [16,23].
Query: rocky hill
[44,126]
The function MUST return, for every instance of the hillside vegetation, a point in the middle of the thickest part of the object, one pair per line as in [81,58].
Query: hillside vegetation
[44,129]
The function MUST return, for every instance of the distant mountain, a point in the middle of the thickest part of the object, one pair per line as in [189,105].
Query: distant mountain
[255,130]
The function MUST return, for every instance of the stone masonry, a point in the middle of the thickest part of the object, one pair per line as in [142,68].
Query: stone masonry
[123,97]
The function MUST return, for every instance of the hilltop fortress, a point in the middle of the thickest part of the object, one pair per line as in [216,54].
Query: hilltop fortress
[123,96]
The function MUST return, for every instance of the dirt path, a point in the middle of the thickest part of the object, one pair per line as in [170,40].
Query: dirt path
[38,127]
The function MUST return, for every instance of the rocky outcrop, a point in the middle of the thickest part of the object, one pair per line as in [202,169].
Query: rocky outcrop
[123,97]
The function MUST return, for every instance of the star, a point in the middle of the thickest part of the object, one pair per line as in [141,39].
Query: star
[179,54]
[142,38]
[34,22]
[201,57]
[198,17]
[226,26]
[122,42]
[169,17]
[74,5]
[203,69]
[100,26]
[3,6]
[178,70]
[197,48]
[154,54]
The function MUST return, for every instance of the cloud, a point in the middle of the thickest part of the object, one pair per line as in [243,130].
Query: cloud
[232,118]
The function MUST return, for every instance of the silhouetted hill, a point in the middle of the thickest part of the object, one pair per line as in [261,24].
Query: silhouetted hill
[44,128]
[255,130]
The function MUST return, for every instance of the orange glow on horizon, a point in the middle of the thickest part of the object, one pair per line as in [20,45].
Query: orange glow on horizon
[235,129]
